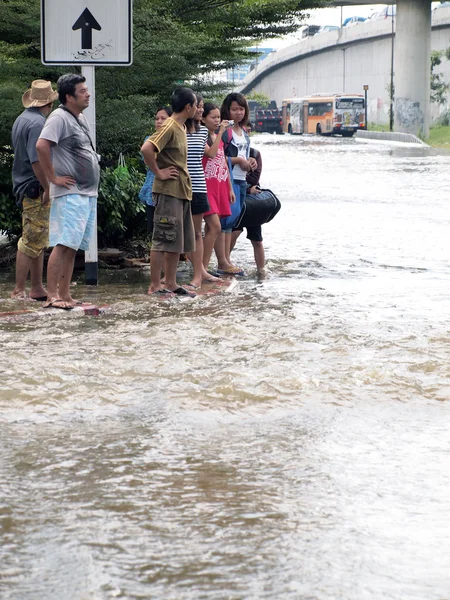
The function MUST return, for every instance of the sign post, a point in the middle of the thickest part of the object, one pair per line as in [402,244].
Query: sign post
[91,255]
[87,33]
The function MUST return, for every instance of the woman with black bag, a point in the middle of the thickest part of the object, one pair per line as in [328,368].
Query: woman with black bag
[260,206]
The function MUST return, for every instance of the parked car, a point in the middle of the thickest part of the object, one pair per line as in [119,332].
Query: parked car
[353,21]
[325,28]
[309,30]
[385,13]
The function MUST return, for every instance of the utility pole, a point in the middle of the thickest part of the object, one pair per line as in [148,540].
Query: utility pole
[391,110]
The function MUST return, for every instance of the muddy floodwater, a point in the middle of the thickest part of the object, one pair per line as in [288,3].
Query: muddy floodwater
[286,441]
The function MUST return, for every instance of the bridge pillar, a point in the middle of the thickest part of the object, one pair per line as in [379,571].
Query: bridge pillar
[412,64]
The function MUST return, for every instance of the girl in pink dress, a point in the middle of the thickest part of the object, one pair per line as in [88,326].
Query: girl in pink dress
[218,183]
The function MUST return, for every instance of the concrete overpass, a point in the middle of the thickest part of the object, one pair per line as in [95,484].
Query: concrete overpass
[412,56]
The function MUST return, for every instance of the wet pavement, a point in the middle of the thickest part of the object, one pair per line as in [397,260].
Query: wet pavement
[288,440]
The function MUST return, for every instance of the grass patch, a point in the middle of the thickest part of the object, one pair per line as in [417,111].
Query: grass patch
[375,127]
[439,137]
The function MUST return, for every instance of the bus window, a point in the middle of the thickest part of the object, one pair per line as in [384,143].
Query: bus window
[319,109]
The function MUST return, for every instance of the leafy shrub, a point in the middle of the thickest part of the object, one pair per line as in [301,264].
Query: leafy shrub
[120,212]
[10,213]
[443,120]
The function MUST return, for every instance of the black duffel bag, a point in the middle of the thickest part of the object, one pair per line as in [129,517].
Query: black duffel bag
[258,209]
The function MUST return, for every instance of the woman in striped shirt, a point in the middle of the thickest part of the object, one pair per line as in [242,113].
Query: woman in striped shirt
[197,136]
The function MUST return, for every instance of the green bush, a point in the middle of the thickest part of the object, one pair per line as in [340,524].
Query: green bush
[10,213]
[120,212]
[443,120]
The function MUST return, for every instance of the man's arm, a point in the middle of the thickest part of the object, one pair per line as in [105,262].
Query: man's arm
[43,148]
[148,151]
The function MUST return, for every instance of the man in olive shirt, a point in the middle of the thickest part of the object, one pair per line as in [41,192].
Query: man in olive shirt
[31,189]
[165,153]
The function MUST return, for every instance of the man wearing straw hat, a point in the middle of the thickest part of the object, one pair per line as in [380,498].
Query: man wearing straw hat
[31,189]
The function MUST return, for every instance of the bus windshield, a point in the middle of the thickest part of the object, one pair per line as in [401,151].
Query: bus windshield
[349,103]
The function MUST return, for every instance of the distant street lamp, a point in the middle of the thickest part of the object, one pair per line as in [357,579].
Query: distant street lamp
[343,68]
[366,88]
[391,111]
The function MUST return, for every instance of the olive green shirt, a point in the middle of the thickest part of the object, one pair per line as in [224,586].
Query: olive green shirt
[171,145]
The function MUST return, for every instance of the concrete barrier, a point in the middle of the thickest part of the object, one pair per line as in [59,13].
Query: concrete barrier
[389,136]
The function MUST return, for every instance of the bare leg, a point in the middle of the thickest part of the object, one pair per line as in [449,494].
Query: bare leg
[23,265]
[156,264]
[219,248]
[59,273]
[170,267]
[196,257]
[234,237]
[36,268]
[260,259]
[227,245]
[212,232]
[66,275]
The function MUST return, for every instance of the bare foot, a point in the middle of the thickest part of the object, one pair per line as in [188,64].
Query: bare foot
[225,266]
[157,290]
[57,303]
[208,278]
[38,293]
[70,300]
[19,295]
[196,283]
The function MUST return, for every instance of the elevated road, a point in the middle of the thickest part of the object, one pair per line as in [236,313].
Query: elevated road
[411,57]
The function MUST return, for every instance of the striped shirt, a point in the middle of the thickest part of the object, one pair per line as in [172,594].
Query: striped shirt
[196,148]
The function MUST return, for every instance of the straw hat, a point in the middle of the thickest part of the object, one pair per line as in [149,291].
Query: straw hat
[40,94]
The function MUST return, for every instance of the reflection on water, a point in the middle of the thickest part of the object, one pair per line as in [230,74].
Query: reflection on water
[289,440]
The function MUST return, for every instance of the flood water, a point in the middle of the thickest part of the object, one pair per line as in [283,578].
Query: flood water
[289,440]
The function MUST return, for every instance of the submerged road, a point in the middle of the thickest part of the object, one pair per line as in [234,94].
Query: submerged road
[287,441]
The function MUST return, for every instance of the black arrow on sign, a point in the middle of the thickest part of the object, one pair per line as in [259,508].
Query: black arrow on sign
[86,22]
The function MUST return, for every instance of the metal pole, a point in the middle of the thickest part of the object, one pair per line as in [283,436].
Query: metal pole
[91,255]
[391,111]
[343,69]
[366,87]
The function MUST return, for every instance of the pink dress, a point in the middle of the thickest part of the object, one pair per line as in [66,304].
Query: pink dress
[217,184]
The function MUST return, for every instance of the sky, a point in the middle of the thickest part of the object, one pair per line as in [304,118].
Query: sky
[331,16]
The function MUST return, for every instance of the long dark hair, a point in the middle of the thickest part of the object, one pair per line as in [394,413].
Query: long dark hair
[226,104]
[207,108]
[192,125]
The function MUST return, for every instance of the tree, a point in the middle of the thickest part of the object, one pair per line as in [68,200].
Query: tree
[262,99]
[174,41]
[439,88]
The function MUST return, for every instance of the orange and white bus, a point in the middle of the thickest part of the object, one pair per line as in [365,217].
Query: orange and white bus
[286,115]
[324,114]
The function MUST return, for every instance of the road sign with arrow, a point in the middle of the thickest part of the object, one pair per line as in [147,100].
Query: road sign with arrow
[86,22]
[86,32]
